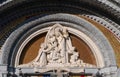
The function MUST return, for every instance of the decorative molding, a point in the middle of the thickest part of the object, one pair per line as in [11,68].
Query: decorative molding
[5,2]
[115,29]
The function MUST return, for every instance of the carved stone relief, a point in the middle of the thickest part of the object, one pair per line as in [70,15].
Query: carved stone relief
[57,51]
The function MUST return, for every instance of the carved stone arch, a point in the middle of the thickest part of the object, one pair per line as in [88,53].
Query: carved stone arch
[12,44]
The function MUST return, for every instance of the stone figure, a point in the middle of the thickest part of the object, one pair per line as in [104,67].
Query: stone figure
[74,58]
[42,56]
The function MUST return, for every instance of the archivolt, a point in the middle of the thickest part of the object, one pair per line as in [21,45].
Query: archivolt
[76,25]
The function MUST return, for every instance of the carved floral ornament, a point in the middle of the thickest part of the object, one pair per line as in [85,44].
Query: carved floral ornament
[57,51]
